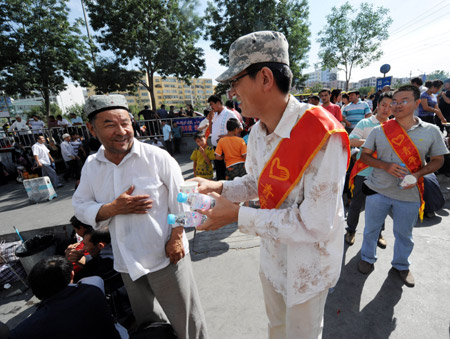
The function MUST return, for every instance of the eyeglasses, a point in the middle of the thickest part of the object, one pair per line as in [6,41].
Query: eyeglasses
[399,103]
[233,82]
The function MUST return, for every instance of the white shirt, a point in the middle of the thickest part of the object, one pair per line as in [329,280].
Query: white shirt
[63,122]
[42,152]
[166,132]
[301,242]
[138,240]
[36,125]
[219,125]
[67,151]
[20,126]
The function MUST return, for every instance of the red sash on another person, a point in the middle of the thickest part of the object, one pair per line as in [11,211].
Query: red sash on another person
[406,150]
[294,154]
[358,167]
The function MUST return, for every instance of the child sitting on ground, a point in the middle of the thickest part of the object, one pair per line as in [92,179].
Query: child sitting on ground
[202,157]
[233,149]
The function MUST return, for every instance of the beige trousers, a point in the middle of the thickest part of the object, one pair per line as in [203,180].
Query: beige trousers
[303,321]
[170,293]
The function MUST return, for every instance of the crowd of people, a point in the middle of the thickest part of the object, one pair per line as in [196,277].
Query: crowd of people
[298,159]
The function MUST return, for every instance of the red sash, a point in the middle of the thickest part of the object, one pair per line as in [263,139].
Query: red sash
[405,149]
[358,167]
[294,154]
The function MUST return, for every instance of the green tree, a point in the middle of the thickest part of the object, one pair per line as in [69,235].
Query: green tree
[227,20]
[316,87]
[367,90]
[41,112]
[352,38]
[48,49]
[109,76]
[155,36]
[76,109]
[438,75]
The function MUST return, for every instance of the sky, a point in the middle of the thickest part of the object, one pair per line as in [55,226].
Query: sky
[419,39]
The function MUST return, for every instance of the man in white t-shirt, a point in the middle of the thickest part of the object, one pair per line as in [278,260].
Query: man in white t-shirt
[167,135]
[44,160]
[218,126]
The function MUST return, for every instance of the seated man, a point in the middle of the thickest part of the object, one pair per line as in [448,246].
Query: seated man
[100,261]
[67,310]
[75,252]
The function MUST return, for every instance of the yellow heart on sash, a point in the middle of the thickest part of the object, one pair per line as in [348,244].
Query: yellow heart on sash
[281,173]
[398,139]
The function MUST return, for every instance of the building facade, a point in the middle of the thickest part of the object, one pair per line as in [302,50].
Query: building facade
[170,92]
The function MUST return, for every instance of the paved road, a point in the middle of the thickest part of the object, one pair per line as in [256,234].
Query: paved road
[225,265]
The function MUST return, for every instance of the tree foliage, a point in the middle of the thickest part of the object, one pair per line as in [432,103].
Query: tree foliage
[438,75]
[41,112]
[109,76]
[41,46]
[227,20]
[352,38]
[158,35]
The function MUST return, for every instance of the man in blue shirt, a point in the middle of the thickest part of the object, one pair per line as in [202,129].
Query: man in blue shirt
[355,111]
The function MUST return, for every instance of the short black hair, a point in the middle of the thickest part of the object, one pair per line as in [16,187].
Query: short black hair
[98,236]
[78,224]
[145,107]
[163,106]
[232,124]
[214,99]
[229,104]
[437,83]
[325,90]
[50,276]
[388,95]
[428,84]
[409,88]
[345,95]
[199,135]
[281,73]
[315,97]
[417,81]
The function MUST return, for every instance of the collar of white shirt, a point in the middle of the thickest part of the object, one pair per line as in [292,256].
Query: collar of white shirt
[135,149]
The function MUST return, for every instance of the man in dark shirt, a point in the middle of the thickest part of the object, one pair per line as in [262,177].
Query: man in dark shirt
[67,310]
[149,115]
[444,100]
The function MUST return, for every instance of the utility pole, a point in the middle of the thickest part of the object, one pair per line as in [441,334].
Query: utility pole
[88,33]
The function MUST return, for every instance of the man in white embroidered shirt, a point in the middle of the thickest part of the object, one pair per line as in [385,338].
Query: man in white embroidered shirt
[132,186]
[297,157]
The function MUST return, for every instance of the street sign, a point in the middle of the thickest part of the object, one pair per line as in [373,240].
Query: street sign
[381,82]
[385,69]
[4,112]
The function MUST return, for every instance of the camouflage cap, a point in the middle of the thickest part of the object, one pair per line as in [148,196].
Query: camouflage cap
[99,103]
[253,48]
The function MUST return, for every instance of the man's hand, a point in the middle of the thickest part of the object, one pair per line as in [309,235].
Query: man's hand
[413,185]
[395,170]
[174,247]
[125,204]
[72,254]
[128,204]
[225,212]
[206,186]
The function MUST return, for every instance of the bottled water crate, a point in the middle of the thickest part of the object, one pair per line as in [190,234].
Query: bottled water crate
[39,189]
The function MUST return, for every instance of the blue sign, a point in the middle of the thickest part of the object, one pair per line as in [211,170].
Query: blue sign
[188,125]
[385,68]
[381,82]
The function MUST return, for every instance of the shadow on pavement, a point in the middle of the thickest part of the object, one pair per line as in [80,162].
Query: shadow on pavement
[343,318]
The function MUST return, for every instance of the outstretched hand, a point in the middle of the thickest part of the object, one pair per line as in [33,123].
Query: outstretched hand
[224,212]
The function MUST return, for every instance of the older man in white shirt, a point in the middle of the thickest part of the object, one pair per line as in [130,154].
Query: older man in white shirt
[131,187]
[44,160]
[296,164]
[21,128]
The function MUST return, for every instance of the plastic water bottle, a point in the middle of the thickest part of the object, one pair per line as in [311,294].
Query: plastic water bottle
[197,201]
[400,180]
[186,219]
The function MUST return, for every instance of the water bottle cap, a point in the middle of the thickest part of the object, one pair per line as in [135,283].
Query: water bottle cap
[182,197]
[171,218]
[403,165]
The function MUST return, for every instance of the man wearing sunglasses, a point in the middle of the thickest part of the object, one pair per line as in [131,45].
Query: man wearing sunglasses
[297,159]
[396,182]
